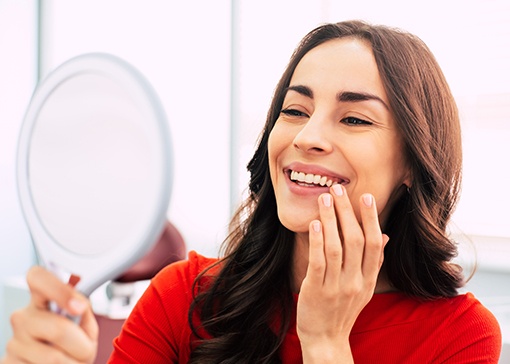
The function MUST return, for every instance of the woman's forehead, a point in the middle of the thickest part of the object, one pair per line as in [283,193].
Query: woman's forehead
[340,65]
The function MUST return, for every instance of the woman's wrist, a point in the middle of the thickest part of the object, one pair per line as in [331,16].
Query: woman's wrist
[337,352]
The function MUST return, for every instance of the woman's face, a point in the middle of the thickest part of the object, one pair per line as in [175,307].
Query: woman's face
[335,127]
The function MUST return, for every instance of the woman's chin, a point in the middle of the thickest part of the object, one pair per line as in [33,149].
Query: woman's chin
[299,224]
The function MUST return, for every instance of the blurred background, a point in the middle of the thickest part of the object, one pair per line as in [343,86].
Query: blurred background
[215,64]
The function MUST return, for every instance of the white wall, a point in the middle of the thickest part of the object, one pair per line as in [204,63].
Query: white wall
[17,79]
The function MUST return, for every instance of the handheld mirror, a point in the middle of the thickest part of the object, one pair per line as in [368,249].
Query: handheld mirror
[94,169]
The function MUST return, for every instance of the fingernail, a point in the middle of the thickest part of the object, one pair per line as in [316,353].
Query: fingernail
[316,226]
[337,189]
[367,200]
[326,199]
[77,306]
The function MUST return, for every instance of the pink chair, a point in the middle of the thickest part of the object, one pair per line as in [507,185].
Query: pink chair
[169,248]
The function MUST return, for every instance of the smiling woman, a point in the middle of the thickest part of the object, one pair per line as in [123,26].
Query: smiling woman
[343,255]
[326,244]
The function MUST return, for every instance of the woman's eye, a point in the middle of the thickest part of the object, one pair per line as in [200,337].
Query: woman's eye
[351,120]
[293,112]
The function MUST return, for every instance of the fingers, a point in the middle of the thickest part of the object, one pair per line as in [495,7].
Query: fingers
[49,328]
[19,352]
[386,238]
[372,254]
[46,287]
[37,330]
[89,325]
[353,238]
[333,250]
[316,259]
[360,247]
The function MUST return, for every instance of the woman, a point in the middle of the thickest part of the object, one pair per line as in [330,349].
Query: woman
[359,163]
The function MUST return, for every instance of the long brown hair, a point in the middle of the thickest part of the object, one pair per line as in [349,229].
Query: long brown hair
[238,308]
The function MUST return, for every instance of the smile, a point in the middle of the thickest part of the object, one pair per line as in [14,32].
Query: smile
[309,179]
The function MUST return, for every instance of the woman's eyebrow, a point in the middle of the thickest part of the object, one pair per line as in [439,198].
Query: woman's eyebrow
[343,96]
[300,89]
[350,96]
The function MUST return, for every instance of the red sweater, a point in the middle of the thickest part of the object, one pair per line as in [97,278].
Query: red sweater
[392,328]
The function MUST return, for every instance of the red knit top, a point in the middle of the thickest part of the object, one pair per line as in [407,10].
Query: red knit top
[392,328]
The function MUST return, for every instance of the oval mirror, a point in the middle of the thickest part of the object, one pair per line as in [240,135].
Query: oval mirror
[94,169]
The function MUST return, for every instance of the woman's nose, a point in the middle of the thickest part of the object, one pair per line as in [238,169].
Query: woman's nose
[314,136]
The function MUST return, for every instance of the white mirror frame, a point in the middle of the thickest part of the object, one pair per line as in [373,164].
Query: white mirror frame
[95,269]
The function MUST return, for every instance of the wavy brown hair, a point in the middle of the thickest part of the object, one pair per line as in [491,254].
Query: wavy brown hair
[251,292]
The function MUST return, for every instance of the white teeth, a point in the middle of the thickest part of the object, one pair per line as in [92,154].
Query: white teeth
[310,178]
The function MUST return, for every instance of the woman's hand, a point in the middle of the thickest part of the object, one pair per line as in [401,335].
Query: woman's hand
[344,262]
[41,336]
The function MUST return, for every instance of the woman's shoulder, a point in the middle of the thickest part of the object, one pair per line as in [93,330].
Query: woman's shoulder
[402,308]
[454,327]
[194,264]
[183,272]
[463,310]
[467,304]
[158,325]
[466,312]
[471,328]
